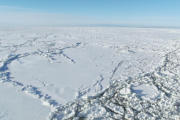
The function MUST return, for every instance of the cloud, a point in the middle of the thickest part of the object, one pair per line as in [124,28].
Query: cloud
[28,18]
[22,16]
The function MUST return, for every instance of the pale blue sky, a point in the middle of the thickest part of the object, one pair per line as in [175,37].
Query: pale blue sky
[122,12]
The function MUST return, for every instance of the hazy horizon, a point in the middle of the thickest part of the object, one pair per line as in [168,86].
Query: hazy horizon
[104,12]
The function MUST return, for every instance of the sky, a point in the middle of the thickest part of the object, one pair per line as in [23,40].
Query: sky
[90,12]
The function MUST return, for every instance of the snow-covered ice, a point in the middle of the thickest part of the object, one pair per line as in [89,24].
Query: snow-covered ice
[90,73]
[145,90]
[14,105]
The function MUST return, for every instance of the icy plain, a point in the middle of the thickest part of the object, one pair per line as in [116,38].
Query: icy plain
[93,73]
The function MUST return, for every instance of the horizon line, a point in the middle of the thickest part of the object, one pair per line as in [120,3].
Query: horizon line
[97,25]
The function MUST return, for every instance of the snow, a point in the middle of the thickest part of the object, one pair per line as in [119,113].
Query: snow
[17,106]
[89,72]
[145,90]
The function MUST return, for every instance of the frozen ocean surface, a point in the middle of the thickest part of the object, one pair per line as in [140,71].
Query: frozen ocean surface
[89,73]
[14,105]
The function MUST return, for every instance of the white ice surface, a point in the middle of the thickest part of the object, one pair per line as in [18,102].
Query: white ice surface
[146,91]
[58,65]
[15,105]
